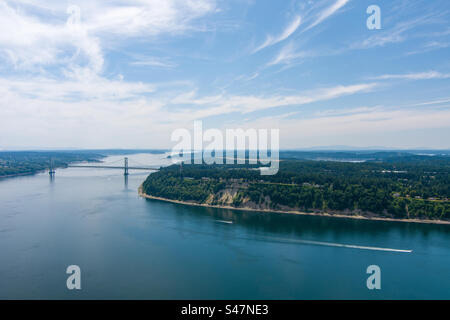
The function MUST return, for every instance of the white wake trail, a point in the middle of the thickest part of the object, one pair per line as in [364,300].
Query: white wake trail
[224,221]
[341,245]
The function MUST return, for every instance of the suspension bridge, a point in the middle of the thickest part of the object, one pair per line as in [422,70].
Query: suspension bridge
[111,165]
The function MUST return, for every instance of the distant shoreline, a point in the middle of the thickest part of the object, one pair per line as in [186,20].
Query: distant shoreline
[424,221]
[19,174]
[35,172]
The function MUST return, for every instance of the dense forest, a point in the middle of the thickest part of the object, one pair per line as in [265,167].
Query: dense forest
[398,187]
[28,162]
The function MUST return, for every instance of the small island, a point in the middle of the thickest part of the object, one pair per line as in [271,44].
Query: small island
[415,190]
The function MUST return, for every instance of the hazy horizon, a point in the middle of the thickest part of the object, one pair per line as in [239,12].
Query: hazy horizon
[317,148]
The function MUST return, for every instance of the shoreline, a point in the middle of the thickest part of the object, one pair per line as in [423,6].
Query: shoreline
[342,216]
[32,173]
[21,174]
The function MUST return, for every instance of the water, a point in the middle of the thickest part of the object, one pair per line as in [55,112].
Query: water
[128,247]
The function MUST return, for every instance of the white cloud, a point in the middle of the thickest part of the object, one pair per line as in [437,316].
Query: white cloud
[150,17]
[154,62]
[414,76]
[288,55]
[396,34]
[250,77]
[71,99]
[225,104]
[290,29]
[430,46]
[327,12]
[89,88]
[363,126]
[427,103]
[98,112]
[56,94]
[33,40]
[91,113]
[31,43]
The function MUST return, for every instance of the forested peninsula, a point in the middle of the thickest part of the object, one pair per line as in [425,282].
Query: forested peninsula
[16,163]
[409,190]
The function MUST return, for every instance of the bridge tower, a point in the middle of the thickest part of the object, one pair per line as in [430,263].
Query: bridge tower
[51,170]
[126,167]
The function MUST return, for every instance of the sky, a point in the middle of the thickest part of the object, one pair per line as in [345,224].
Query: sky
[127,73]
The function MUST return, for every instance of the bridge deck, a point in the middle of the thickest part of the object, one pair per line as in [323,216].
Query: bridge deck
[113,167]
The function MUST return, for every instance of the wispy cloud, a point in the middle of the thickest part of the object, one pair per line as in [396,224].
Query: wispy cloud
[46,105]
[430,46]
[63,81]
[245,77]
[290,29]
[287,55]
[243,104]
[327,12]
[428,103]
[362,126]
[398,33]
[414,76]
[89,89]
[154,62]
[33,41]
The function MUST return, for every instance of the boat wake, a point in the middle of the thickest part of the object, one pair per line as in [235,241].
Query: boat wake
[340,245]
[224,221]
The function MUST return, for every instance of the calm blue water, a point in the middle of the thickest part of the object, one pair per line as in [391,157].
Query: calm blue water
[129,247]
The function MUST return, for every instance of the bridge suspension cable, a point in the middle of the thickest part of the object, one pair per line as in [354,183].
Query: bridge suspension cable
[112,165]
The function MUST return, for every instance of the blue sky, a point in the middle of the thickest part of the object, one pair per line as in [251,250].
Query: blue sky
[125,74]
